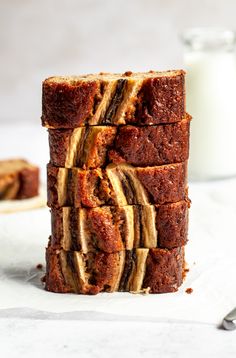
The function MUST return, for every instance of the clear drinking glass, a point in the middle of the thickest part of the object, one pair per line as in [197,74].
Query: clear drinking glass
[209,59]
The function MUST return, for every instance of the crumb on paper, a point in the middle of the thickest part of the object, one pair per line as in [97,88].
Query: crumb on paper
[128,73]
[39,267]
[189,290]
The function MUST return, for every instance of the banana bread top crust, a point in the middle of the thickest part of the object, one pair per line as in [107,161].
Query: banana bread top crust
[138,98]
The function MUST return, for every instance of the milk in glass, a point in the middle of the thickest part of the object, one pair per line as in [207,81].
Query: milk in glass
[209,60]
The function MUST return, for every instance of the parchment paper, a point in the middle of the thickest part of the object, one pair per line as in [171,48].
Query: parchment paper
[210,253]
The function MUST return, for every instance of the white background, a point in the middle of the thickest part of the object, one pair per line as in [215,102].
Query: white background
[49,37]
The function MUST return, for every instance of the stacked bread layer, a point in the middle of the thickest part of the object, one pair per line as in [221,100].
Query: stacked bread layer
[116,185]
[141,99]
[117,182]
[138,270]
[113,228]
[92,147]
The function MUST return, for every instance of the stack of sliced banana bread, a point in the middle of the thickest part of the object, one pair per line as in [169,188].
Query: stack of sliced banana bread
[117,182]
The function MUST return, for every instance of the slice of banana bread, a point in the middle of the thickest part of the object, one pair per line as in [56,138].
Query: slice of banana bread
[140,98]
[116,185]
[112,229]
[18,179]
[97,146]
[139,270]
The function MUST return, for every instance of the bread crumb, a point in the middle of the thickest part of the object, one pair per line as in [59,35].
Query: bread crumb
[39,267]
[189,290]
[128,73]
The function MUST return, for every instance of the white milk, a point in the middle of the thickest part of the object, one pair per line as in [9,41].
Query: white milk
[211,100]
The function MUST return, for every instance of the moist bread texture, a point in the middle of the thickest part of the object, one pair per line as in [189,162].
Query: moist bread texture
[18,179]
[113,99]
[112,229]
[138,270]
[97,146]
[116,185]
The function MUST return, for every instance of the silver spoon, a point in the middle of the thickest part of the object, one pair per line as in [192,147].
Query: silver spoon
[229,322]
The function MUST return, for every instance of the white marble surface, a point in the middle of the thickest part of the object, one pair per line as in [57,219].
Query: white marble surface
[26,332]
[94,339]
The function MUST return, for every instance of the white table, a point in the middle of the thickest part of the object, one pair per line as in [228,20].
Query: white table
[25,332]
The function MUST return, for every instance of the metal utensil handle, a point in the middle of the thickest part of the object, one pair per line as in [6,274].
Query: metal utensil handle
[229,322]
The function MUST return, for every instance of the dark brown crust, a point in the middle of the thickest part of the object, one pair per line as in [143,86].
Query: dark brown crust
[20,183]
[66,105]
[172,224]
[163,184]
[59,141]
[104,226]
[55,281]
[52,173]
[161,100]
[164,270]
[56,228]
[71,103]
[138,146]
[152,145]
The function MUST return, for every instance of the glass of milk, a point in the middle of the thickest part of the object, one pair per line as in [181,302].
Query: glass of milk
[209,60]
